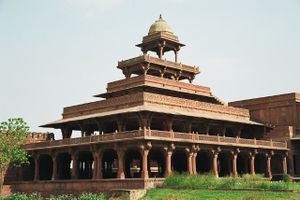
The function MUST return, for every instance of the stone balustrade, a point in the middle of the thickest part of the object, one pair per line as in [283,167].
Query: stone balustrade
[160,135]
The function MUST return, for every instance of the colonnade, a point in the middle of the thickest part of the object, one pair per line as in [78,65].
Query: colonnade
[145,161]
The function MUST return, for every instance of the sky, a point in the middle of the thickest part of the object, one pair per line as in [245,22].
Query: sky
[57,53]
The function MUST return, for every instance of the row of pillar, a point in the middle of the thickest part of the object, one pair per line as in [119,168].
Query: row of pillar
[144,150]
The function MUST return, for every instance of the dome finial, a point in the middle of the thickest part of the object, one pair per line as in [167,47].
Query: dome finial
[160,25]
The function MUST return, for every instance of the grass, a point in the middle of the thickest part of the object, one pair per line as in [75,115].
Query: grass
[246,181]
[185,187]
[172,194]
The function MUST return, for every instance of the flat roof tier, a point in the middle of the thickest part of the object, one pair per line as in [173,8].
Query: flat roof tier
[147,64]
[145,101]
[160,85]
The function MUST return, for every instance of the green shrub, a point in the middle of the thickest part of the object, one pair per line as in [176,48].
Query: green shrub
[62,197]
[21,196]
[90,196]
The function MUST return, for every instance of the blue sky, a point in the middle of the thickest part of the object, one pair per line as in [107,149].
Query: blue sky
[61,52]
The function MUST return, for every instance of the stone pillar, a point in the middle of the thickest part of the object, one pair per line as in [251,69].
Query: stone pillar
[269,172]
[54,167]
[121,153]
[145,153]
[169,162]
[284,165]
[234,163]
[168,153]
[36,168]
[189,161]
[194,161]
[66,132]
[252,164]
[176,55]
[96,156]
[74,165]
[215,162]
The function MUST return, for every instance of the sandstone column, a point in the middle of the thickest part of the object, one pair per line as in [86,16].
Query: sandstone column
[284,166]
[252,164]
[54,167]
[234,164]
[269,172]
[74,165]
[36,168]
[194,161]
[145,164]
[121,174]
[96,164]
[215,154]
[169,162]
[189,162]
[168,158]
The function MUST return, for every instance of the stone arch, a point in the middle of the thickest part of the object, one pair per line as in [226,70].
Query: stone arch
[156,163]
[133,163]
[243,163]
[179,161]
[28,170]
[63,166]
[203,162]
[109,164]
[260,163]
[45,167]
[225,163]
[85,165]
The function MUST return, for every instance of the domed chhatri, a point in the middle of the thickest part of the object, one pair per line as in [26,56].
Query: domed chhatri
[160,25]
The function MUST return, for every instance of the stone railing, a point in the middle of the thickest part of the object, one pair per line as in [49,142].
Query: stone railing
[86,140]
[159,135]
[216,139]
[158,61]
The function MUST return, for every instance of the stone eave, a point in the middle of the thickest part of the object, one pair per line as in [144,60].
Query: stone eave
[157,109]
[157,61]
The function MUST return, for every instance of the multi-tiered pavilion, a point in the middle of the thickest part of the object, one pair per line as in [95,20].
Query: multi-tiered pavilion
[150,124]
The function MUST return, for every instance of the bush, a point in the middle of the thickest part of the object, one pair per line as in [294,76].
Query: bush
[20,196]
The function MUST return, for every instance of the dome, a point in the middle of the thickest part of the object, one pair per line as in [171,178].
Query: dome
[160,25]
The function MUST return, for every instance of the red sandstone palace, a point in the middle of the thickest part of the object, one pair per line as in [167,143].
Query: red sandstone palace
[155,122]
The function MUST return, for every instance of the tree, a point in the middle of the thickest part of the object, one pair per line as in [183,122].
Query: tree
[13,134]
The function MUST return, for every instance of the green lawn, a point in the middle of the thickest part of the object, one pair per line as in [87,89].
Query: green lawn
[172,194]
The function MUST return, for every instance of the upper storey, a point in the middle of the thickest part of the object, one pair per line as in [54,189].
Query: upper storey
[160,39]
